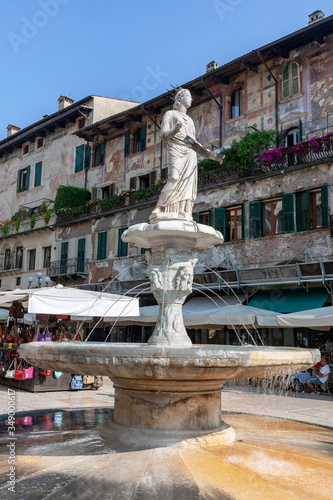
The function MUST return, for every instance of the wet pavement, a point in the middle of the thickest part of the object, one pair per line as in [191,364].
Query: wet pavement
[60,454]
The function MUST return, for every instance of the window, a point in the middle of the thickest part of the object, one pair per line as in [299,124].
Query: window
[312,209]
[101,245]
[136,140]
[38,174]
[272,217]
[32,259]
[7,259]
[133,183]
[81,122]
[19,258]
[230,222]
[47,257]
[164,173]
[63,257]
[23,179]
[139,140]
[291,80]
[25,148]
[82,157]
[18,281]
[39,143]
[107,191]
[81,248]
[99,154]
[236,103]
[122,246]
[205,218]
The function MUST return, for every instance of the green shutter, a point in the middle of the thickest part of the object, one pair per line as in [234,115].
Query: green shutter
[87,155]
[102,152]
[143,250]
[300,130]
[195,217]
[27,178]
[243,221]
[18,182]
[288,213]
[127,143]
[324,207]
[101,245]
[63,257]
[303,218]
[220,220]
[122,246]
[143,135]
[38,174]
[79,158]
[255,219]
[81,248]
[281,136]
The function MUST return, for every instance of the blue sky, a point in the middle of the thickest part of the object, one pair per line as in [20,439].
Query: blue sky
[126,48]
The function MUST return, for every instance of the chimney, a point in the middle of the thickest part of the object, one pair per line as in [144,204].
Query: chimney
[12,129]
[211,66]
[316,16]
[64,101]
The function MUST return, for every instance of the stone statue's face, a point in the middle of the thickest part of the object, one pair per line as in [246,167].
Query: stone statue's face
[187,99]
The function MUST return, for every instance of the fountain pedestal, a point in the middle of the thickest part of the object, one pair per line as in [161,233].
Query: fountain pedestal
[172,255]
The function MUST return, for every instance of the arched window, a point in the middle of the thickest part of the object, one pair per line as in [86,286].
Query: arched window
[236,103]
[291,84]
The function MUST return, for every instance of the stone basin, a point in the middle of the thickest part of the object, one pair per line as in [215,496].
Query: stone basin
[169,393]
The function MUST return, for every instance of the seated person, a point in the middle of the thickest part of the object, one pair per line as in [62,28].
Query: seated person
[320,371]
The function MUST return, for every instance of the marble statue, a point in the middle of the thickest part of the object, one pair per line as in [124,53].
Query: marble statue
[179,193]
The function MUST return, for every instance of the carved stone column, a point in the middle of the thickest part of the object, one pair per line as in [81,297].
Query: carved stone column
[170,272]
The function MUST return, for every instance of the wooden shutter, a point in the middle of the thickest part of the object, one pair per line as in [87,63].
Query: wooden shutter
[255,219]
[196,216]
[324,207]
[285,82]
[87,155]
[288,213]
[94,193]
[220,220]
[81,247]
[294,74]
[97,155]
[101,245]
[164,173]
[19,177]
[27,177]
[63,257]
[143,135]
[300,130]
[79,158]
[152,178]
[133,183]
[303,219]
[111,190]
[102,152]
[243,221]
[122,246]
[127,143]
[38,174]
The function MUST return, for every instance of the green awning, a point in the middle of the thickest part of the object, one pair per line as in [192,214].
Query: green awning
[289,301]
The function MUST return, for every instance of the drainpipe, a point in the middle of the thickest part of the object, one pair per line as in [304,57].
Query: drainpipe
[157,125]
[276,94]
[219,105]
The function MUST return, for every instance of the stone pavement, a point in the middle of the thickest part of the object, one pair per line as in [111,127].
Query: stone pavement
[316,409]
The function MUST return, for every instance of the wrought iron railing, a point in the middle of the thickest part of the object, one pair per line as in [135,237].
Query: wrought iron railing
[66,267]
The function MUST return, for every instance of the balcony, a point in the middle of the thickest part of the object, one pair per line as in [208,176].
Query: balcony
[68,269]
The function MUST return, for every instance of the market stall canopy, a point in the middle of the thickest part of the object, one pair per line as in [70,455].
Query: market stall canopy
[73,301]
[313,318]
[204,312]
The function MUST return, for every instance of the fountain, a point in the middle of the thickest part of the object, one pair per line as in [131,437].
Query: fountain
[168,392]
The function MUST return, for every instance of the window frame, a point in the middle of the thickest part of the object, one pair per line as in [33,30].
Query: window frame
[19,259]
[25,145]
[234,210]
[31,251]
[47,259]
[37,148]
[288,67]
[239,90]
[271,202]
